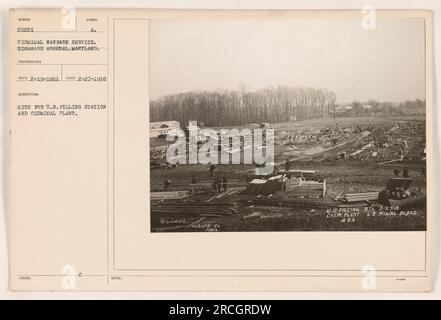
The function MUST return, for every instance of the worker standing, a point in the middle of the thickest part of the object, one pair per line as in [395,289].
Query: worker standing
[225,183]
[217,183]
[212,169]
[406,173]
[167,185]
[193,183]
[287,165]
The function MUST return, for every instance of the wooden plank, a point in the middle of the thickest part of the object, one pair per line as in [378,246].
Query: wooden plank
[363,196]
[169,195]
[390,161]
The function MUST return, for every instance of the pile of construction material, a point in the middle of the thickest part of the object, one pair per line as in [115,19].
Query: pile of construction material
[359,197]
[308,189]
[330,134]
[266,186]
[168,195]
[291,183]
[276,203]
[202,209]
[224,194]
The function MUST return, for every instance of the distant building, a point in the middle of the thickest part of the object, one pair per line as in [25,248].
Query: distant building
[342,111]
[162,127]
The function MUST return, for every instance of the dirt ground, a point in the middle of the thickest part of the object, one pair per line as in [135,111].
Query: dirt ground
[342,176]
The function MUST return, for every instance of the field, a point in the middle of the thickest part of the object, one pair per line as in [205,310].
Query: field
[330,146]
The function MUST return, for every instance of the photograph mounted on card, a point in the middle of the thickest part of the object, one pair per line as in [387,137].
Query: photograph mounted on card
[206,150]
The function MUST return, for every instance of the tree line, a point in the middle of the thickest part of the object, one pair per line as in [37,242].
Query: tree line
[409,107]
[241,107]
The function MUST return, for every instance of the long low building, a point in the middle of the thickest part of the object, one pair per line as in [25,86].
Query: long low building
[162,127]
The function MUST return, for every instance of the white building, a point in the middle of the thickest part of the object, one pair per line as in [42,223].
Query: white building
[162,127]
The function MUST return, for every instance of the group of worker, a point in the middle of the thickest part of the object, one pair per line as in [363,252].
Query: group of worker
[219,184]
[167,185]
[405,173]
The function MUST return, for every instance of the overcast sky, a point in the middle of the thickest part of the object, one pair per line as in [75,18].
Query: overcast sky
[386,64]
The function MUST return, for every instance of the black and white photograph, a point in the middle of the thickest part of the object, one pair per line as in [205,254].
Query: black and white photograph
[287,125]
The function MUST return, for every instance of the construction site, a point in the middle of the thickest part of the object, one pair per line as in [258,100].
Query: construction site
[330,174]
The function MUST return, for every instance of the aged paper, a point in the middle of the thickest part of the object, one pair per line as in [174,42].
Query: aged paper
[120,178]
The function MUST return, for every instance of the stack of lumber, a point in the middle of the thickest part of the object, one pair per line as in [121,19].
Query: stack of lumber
[193,208]
[307,189]
[201,185]
[281,201]
[293,182]
[166,195]
[224,194]
[357,197]
[313,185]
[304,193]
[292,203]
[390,161]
